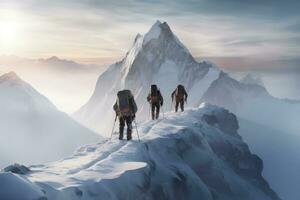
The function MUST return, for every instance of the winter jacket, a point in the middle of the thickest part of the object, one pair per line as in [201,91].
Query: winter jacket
[155,99]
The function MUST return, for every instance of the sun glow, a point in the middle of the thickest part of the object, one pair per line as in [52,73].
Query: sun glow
[10,32]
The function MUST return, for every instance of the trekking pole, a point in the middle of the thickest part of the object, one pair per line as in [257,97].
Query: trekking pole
[113,127]
[137,132]
[149,111]
[162,108]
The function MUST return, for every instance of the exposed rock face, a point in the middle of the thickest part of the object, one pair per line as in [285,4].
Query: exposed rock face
[226,121]
[17,169]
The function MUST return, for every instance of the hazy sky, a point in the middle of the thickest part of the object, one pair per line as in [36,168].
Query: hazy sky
[104,30]
[260,35]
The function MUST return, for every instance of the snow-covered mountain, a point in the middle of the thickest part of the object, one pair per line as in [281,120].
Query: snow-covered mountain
[159,58]
[65,65]
[32,130]
[252,79]
[194,155]
[253,102]
[55,77]
[52,63]
[270,127]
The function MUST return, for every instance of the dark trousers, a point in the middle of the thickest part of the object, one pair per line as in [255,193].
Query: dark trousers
[128,121]
[155,108]
[181,105]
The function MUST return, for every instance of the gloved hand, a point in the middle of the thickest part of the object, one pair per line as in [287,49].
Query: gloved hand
[133,116]
[161,103]
[185,100]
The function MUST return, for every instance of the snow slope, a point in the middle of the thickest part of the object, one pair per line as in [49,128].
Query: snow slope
[159,58]
[197,154]
[32,130]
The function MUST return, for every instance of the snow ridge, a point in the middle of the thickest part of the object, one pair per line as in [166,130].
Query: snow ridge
[197,154]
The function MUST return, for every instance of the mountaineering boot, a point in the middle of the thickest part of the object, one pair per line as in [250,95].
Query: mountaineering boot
[176,106]
[129,137]
[182,106]
[129,131]
[157,111]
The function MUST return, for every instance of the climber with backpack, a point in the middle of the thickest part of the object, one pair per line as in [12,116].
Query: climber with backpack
[125,108]
[156,101]
[180,95]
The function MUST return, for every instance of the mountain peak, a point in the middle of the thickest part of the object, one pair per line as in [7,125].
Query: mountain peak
[10,76]
[53,59]
[153,33]
[156,25]
[251,79]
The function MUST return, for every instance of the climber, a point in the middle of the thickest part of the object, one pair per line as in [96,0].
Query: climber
[125,108]
[156,101]
[180,97]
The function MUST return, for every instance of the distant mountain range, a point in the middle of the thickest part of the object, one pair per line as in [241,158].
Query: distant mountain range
[67,83]
[53,63]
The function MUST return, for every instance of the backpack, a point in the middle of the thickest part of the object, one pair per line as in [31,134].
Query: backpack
[154,95]
[124,102]
[180,92]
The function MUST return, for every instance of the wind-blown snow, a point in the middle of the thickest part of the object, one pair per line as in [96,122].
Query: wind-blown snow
[197,154]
